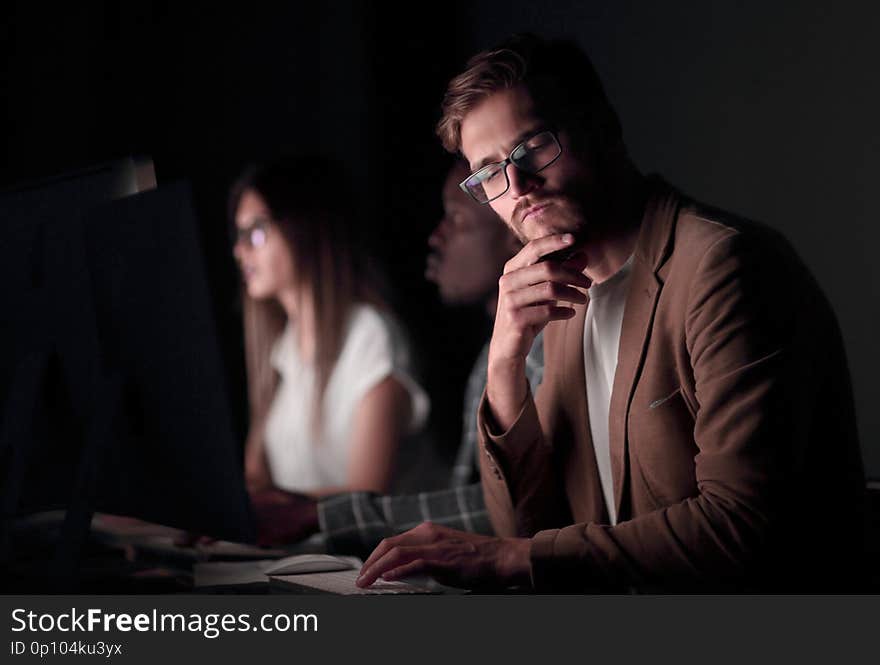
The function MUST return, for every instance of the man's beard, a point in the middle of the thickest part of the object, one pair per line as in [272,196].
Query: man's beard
[563,214]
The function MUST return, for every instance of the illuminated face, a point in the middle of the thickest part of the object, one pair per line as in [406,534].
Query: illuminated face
[261,250]
[557,199]
[469,247]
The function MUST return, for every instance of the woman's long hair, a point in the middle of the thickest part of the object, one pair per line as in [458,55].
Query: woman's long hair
[311,205]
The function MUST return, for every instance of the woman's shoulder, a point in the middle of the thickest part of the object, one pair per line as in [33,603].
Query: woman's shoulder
[368,350]
[375,347]
[367,316]
[367,324]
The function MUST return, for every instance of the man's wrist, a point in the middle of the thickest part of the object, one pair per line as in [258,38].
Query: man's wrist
[517,562]
[505,369]
[506,391]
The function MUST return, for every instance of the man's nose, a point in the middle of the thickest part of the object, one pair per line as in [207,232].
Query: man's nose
[521,182]
[438,236]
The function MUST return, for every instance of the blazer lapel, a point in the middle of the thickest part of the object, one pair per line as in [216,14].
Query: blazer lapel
[641,302]
[652,248]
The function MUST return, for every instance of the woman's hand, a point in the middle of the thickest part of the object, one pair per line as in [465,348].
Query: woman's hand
[257,476]
[283,517]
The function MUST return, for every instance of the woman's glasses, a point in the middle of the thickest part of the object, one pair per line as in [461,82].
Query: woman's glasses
[254,235]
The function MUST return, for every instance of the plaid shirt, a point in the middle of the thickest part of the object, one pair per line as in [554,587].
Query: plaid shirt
[355,522]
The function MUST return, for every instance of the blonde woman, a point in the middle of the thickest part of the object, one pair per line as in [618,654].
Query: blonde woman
[329,384]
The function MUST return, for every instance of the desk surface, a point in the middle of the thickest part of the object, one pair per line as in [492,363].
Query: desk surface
[128,556]
[121,556]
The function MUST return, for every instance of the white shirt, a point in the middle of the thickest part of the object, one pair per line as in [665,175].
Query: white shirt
[602,325]
[373,348]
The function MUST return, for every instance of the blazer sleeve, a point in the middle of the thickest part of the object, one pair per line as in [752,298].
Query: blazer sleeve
[746,338]
[521,484]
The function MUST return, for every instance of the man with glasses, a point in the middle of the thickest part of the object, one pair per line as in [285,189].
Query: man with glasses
[695,426]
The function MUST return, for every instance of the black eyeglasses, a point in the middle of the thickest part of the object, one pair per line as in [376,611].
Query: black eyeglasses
[254,235]
[532,155]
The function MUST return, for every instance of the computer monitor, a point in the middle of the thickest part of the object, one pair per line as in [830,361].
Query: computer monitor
[112,390]
[174,458]
[43,274]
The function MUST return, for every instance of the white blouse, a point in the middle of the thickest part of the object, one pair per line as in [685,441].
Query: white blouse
[373,349]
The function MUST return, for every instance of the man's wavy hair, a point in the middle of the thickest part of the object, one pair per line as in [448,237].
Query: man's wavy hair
[560,78]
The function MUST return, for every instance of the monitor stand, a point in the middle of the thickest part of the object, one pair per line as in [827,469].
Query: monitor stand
[16,432]
[80,510]
[32,373]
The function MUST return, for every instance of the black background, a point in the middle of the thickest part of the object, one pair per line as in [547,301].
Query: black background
[769,111]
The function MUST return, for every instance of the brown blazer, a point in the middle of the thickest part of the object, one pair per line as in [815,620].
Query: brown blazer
[734,448]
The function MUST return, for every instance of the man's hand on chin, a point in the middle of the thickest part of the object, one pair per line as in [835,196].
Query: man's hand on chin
[454,558]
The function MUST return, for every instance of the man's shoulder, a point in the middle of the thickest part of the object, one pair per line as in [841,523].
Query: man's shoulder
[701,226]
[724,255]
[702,229]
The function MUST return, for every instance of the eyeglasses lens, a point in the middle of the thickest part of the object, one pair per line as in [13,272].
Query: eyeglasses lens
[531,156]
[257,236]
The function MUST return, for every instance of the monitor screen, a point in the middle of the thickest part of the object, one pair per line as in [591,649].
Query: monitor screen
[173,457]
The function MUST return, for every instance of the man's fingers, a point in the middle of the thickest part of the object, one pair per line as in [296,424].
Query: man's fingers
[396,556]
[537,248]
[423,534]
[538,315]
[441,571]
[380,551]
[388,544]
[416,567]
[542,272]
[547,292]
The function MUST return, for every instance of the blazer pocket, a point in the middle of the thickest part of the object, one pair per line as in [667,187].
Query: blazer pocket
[662,448]
[658,402]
